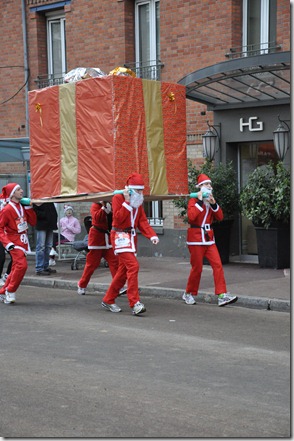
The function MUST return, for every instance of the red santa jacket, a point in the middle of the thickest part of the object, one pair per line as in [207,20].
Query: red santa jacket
[99,235]
[14,220]
[200,218]
[126,220]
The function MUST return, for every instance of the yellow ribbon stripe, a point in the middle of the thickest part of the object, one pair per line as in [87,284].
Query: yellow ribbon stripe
[155,137]
[68,138]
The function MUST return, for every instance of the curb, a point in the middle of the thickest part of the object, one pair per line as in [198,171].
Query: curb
[202,297]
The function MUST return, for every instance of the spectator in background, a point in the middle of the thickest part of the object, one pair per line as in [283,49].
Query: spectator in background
[46,223]
[4,276]
[69,227]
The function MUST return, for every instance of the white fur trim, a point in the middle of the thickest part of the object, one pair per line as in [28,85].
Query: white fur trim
[199,207]
[127,206]
[211,242]
[14,190]
[203,182]
[154,237]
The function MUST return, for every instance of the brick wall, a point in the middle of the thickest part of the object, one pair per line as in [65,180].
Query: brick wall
[101,34]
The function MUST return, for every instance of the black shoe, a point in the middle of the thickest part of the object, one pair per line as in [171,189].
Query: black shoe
[50,270]
[43,273]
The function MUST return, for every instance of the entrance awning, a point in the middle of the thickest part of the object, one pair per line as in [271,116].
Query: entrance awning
[14,149]
[261,80]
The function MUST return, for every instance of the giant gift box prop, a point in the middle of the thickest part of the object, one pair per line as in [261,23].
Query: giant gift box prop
[88,137]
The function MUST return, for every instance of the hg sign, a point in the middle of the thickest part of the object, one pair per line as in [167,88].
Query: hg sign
[258,124]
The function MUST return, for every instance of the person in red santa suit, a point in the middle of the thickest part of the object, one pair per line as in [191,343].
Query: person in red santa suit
[99,244]
[128,215]
[202,212]
[14,220]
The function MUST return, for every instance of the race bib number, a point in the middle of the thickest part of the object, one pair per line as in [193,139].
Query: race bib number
[21,225]
[122,240]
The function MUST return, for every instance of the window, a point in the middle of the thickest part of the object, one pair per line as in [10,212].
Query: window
[56,43]
[259,26]
[147,34]
[153,210]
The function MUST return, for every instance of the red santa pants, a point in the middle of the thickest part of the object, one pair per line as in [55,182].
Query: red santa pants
[128,269]
[18,270]
[93,260]
[197,253]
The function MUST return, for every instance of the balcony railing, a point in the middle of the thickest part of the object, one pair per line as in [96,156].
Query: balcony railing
[49,80]
[253,49]
[150,70]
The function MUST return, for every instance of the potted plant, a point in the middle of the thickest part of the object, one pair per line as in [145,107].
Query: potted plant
[265,200]
[225,191]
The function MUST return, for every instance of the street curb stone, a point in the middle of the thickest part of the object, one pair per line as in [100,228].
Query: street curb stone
[202,297]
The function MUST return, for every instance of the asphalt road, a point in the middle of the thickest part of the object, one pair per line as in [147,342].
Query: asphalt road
[71,369]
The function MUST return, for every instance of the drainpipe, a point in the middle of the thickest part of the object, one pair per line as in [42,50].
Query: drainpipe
[26,64]
[26,71]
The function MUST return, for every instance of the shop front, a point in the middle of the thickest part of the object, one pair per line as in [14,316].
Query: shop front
[249,97]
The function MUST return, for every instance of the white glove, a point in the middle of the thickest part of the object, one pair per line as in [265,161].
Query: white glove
[107,208]
[155,240]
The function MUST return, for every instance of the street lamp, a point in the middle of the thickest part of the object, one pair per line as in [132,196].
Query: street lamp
[211,142]
[282,138]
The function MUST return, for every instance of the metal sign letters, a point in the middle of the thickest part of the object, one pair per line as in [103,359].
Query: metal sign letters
[250,124]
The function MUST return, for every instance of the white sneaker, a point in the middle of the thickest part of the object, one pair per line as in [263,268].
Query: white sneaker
[188,299]
[10,297]
[53,252]
[139,308]
[3,279]
[123,290]
[81,291]
[225,299]
[113,307]
[52,262]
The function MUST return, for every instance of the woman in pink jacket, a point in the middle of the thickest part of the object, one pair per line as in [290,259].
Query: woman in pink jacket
[70,225]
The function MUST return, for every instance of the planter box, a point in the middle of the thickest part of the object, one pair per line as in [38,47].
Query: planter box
[222,234]
[273,246]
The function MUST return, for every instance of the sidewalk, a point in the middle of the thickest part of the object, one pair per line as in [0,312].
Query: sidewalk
[256,287]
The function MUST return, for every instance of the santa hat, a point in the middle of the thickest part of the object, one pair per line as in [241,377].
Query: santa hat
[67,207]
[8,190]
[135,180]
[203,179]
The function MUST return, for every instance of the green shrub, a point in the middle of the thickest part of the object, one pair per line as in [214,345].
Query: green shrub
[265,199]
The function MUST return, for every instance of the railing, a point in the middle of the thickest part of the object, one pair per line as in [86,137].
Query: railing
[37,2]
[253,49]
[156,221]
[49,80]
[149,70]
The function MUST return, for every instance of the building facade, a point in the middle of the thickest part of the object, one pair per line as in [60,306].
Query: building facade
[232,56]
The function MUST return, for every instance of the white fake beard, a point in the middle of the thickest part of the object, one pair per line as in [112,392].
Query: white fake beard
[136,199]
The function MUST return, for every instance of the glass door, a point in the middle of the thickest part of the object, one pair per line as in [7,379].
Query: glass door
[252,155]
